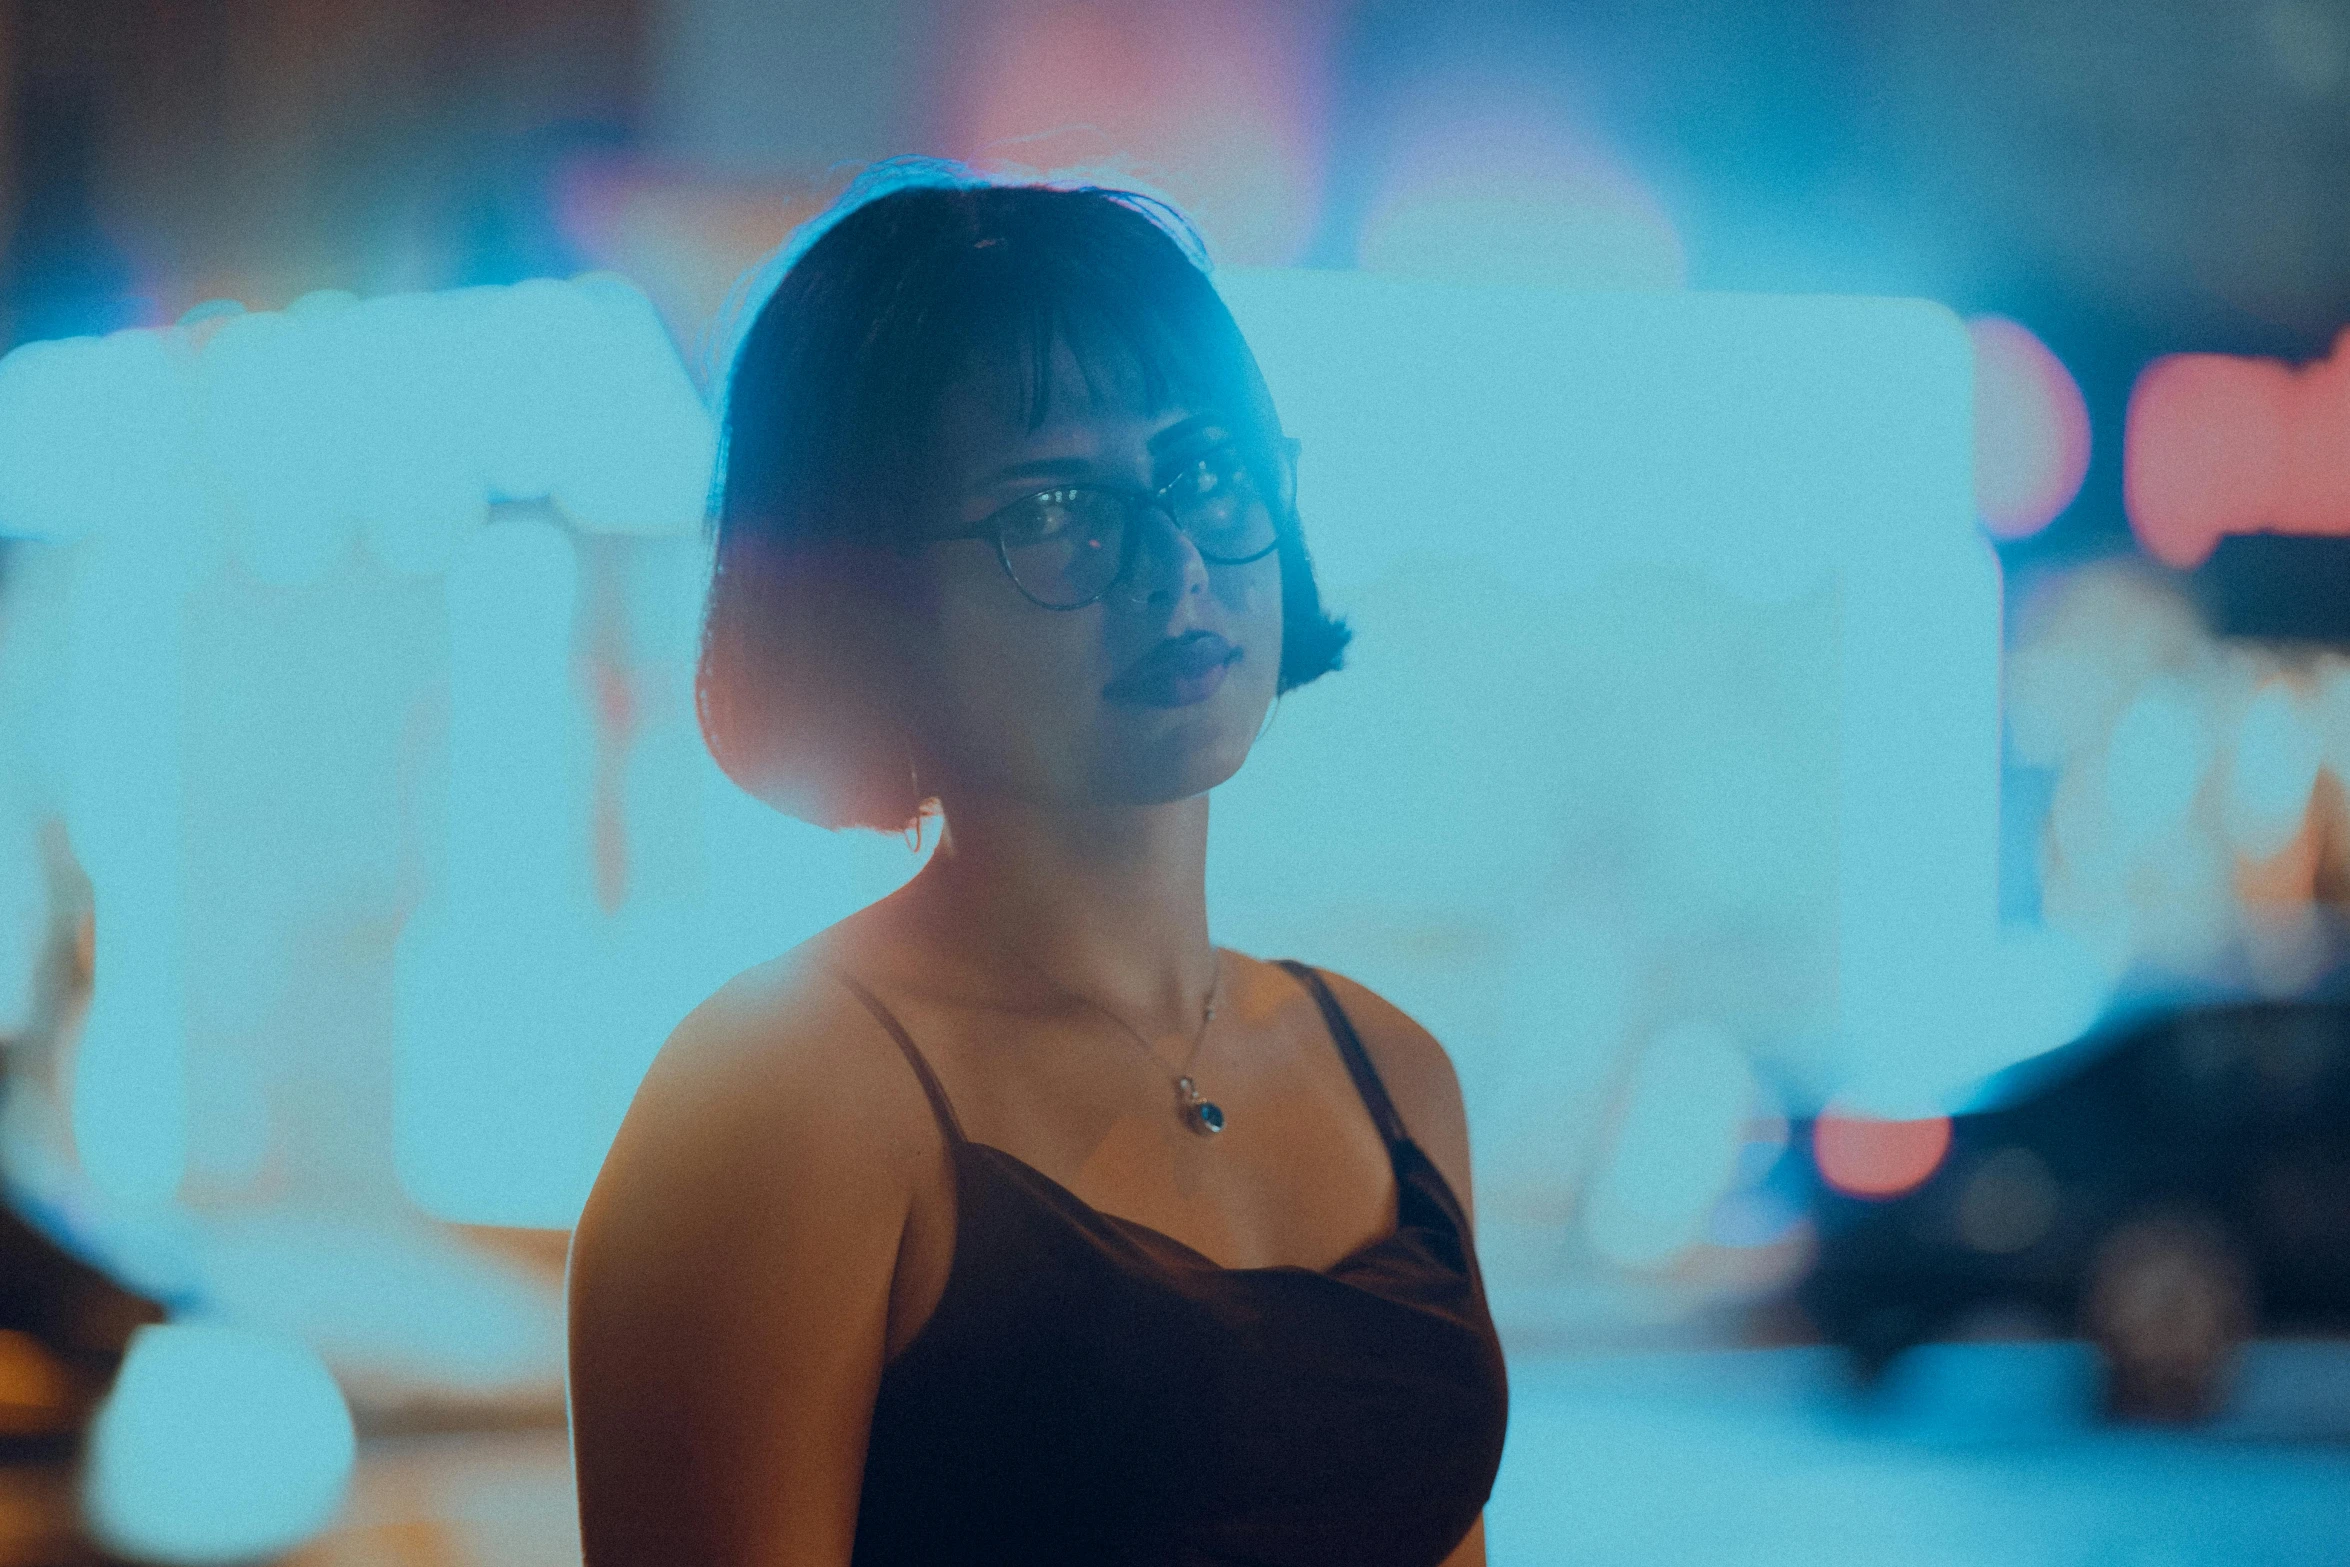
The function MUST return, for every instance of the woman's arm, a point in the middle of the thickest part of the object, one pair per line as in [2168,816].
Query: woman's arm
[730,1285]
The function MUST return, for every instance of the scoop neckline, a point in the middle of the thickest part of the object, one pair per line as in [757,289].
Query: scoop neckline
[1136,1234]
[1205,1262]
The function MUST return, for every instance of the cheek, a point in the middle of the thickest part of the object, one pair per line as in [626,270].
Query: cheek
[1007,681]
[1252,597]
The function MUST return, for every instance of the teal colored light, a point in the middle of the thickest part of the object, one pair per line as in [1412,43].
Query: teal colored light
[493,975]
[98,434]
[1672,605]
[2156,762]
[2277,755]
[1671,614]
[1676,1147]
[216,1445]
[125,752]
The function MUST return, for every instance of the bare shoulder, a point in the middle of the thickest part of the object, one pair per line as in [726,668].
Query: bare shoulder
[776,1117]
[1416,1072]
[781,1067]
[731,1274]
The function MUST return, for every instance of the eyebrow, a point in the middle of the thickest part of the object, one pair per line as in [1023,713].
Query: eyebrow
[1038,468]
[1184,430]
[1060,467]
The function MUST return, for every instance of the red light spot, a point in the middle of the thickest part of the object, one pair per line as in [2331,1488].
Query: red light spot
[2217,445]
[1216,103]
[2203,452]
[1866,1157]
[2316,491]
[2031,430]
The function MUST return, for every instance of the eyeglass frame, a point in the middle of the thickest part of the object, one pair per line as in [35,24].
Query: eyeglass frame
[991,527]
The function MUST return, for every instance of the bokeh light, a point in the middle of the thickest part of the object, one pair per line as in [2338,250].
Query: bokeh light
[217,1445]
[1216,103]
[2217,445]
[2271,773]
[1489,185]
[1677,1147]
[2156,762]
[1864,1156]
[2196,806]
[2031,429]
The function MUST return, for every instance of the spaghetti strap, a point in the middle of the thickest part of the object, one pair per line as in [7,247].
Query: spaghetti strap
[1358,1060]
[938,1096]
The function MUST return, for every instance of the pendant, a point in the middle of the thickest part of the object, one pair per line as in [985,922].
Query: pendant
[1205,1116]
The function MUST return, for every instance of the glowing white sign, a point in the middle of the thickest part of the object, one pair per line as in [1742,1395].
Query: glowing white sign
[1674,704]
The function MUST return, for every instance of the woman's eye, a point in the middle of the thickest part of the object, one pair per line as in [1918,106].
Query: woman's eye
[1042,520]
[1213,476]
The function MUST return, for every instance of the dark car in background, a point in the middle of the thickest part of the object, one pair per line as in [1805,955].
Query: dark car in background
[2165,1189]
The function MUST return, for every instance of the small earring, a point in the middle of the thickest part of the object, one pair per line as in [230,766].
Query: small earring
[913,832]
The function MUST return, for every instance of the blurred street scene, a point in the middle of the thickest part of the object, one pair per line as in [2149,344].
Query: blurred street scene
[1846,517]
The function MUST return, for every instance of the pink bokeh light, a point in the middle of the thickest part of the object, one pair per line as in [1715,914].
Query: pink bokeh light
[1216,104]
[1492,185]
[1863,1156]
[2031,429]
[2217,445]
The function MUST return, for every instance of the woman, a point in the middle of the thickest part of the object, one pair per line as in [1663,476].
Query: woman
[1010,1220]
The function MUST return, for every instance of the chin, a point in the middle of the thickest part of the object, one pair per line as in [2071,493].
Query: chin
[1179,762]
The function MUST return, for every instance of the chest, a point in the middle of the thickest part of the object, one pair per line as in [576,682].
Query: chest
[1300,1176]
[1090,1390]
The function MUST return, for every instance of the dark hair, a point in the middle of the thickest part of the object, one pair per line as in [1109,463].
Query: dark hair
[920,272]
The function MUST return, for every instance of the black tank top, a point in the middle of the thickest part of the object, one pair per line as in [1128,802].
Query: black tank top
[1089,1389]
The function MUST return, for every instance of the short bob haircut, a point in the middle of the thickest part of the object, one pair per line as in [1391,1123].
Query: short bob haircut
[919,274]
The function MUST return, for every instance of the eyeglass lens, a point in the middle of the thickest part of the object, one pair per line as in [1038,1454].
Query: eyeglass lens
[1065,547]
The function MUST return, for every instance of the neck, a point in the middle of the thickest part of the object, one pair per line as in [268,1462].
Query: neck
[1109,904]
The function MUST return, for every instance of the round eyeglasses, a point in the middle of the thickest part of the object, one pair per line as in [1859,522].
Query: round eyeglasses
[1066,548]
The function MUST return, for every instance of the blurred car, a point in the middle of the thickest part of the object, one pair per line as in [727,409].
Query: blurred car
[2164,1189]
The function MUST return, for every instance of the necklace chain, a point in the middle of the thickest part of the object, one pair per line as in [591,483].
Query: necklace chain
[1202,1114]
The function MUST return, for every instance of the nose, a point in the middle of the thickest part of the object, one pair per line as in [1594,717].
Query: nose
[1163,565]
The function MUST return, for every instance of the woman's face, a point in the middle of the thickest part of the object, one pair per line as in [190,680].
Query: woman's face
[1023,702]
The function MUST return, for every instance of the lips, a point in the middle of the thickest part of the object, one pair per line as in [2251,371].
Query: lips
[1179,670]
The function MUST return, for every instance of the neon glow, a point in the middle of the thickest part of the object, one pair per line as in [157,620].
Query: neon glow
[1863,1156]
[1217,103]
[2217,445]
[2031,429]
[217,1445]
[1610,535]
[1676,1150]
[1729,541]
[1487,188]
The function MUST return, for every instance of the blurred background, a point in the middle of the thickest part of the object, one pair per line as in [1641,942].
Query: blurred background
[1853,772]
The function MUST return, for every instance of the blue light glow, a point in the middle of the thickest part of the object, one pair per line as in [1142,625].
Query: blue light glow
[217,1445]
[1673,623]
[1676,1147]
[2278,752]
[2156,763]
[1670,605]
[126,750]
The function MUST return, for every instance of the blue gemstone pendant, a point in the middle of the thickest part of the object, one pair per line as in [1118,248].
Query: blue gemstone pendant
[1205,1115]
